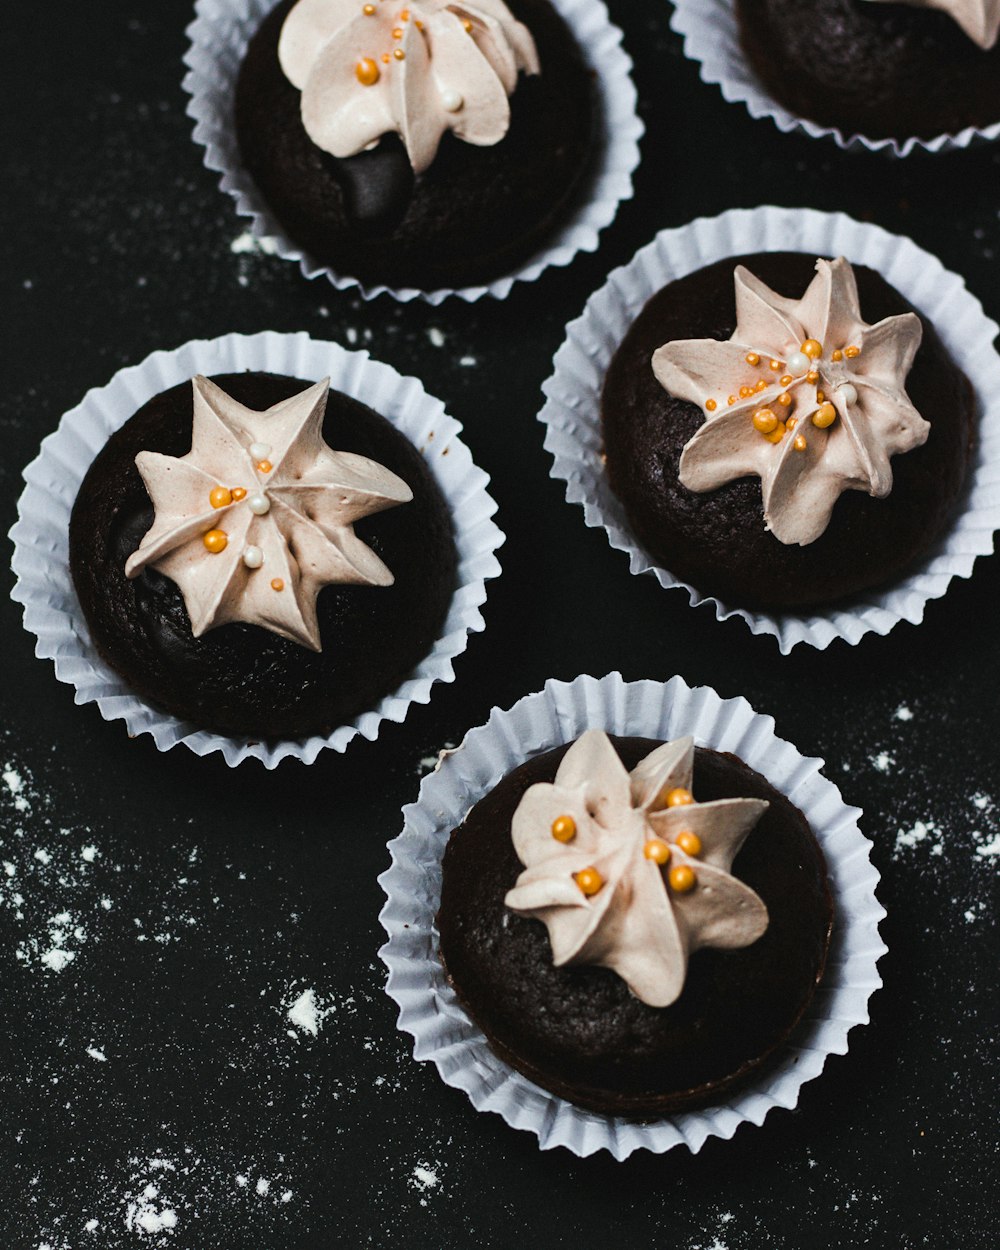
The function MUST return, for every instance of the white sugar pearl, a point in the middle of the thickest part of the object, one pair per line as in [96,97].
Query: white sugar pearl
[260,450]
[451,101]
[798,363]
[260,505]
[253,557]
[849,393]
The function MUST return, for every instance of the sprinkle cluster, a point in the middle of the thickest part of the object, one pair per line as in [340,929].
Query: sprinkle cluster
[216,540]
[367,69]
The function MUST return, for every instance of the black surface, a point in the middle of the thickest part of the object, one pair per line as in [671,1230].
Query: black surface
[115,242]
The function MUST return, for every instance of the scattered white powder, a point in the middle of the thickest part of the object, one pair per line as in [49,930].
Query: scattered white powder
[263,1186]
[91,1226]
[57,959]
[982,801]
[884,761]
[43,856]
[351,335]
[425,1177]
[990,849]
[906,839]
[89,854]
[467,362]
[307,1013]
[248,243]
[436,336]
[99,1055]
[903,713]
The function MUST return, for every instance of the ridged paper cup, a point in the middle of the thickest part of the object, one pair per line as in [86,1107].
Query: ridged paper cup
[219,36]
[428,1007]
[41,535]
[572,416]
[712,38]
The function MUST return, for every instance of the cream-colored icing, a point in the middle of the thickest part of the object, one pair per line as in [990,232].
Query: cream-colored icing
[875,419]
[636,924]
[459,64]
[980,19]
[294,524]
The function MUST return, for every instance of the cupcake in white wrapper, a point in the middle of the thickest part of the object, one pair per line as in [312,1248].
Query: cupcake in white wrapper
[712,39]
[572,417]
[44,583]
[560,713]
[219,36]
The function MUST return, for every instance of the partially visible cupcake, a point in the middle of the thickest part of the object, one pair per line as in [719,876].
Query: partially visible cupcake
[785,432]
[242,575]
[882,70]
[426,144]
[636,926]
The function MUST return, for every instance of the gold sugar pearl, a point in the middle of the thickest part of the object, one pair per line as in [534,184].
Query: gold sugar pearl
[752,358]
[404,15]
[785,399]
[746,392]
[777,434]
[678,797]
[239,492]
[820,396]
[786,379]
[657,850]
[399,54]
[791,423]
[589,880]
[564,828]
[838,355]
[468,26]
[277,583]
[215,541]
[385,58]
[710,405]
[731,400]
[366,72]
[264,466]
[369,10]
[761,385]
[397,33]
[682,878]
[812,377]
[689,842]
[824,416]
[774,364]
[764,420]
[812,348]
[851,352]
[800,443]
[220,497]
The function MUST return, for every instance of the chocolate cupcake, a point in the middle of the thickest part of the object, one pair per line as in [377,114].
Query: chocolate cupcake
[241,575]
[919,68]
[637,927]
[427,146]
[785,450]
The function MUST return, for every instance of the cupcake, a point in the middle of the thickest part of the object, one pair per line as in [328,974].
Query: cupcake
[894,70]
[240,574]
[636,926]
[785,432]
[426,146]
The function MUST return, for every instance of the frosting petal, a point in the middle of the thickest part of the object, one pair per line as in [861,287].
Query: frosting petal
[288,502]
[368,70]
[980,19]
[635,924]
[832,420]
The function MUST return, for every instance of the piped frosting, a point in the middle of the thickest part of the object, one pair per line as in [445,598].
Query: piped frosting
[416,68]
[258,516]
[627,871]
[805,395]
[980,19]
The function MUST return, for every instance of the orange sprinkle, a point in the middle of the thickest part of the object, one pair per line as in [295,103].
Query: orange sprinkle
[657,850]
[800,442]
[682,878]
[264,466]
[366,72]
[786,379]
[812,377]
[710,405]
[589,880]
[761,385]
[399,54]
[215,541]
[564,828]
[774,364]
[746,392]
[732,399]
[689,842]
[752,358]
[220,497]
[397,33]
[369,10]
[239,492]
[277,583]
[678,797]
[838,355]
[385,58]
[851,352]
[785,399]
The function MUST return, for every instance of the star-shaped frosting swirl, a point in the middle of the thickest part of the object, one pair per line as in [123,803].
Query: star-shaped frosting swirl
[980,19]
[257,518]
[607,872]
[805,395]
[414,67]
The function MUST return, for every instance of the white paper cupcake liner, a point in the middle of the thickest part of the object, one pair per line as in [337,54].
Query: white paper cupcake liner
[711,38]
[219,36]
[572,410]
[41,534]
[428,1007]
